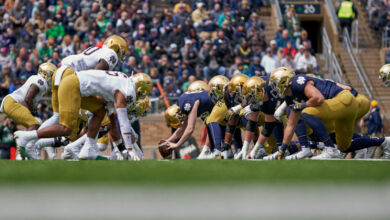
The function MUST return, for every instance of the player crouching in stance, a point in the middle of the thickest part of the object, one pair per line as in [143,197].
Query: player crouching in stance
[80,91]
[320,98]
[193,104]
[136,110]
[19,105]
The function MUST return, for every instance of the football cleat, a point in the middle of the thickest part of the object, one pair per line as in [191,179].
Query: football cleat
[133,155]
[32,151]
[304,153]
[22,138]
[386,148]
[22,152]
[205,150]
[51,153]
[227,154]
[329,153]
[89,152]
[243,154]
[216,154]
[258,152]
[273,156]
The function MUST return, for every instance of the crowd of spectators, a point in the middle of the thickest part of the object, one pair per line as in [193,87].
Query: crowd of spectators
[378,13]
[190,40]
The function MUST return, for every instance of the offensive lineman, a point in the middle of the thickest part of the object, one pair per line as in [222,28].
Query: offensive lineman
[101,58]
[19,105]
[80,91]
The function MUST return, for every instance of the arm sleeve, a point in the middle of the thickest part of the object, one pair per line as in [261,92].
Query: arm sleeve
[125,127]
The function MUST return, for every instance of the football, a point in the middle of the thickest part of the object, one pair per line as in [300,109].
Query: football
[163,149]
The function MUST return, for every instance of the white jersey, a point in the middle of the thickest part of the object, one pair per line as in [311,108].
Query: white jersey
[105,84]
[19,94]
[90,57]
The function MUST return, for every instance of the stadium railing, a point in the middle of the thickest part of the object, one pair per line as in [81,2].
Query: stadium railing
[355,36]
[331,62]
[386,37]
[360,72]
[332,11]
[278,12]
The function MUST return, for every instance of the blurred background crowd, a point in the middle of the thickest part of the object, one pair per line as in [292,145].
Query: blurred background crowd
[190,40]
[378,13]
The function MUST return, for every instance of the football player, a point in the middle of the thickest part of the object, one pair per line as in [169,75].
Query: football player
[183,116]
[19,105]
[358,141]
[101,58]
[261,105]
[320,98]
[136,110]
[233,98]
[218,91]
[80,91]
[384,75]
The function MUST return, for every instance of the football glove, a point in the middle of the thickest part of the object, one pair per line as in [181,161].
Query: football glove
[297,107]
[232,111]
[247,111]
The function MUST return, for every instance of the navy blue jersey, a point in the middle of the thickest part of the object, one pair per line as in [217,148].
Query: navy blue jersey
[187,101]
[271,104]
[229,101]
[353,91]
[328,89]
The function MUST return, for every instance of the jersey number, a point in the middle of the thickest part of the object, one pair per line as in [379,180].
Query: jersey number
[115,73]
[91,50]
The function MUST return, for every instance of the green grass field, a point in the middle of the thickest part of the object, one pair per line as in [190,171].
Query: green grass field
[194,172]
[193,189]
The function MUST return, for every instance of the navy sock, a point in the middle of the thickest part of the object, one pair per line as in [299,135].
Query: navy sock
[237,139]
[278,132]
[301,133]
[364,141]
[293,148]
[318,128]
[215,133]
[312,144]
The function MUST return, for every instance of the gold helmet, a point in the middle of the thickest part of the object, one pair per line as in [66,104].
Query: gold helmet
[253,90]
[173,116]
[198,86]
[46,70]
[280,79]
[384,75]
[139,107]
[117,44]
[143,85]
[235,87]
[217,87]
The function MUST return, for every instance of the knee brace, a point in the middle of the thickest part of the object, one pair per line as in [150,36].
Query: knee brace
[268,128]
[230,128]
[251,126]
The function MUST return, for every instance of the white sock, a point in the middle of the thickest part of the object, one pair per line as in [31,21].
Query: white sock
[31,135]
[102,147]
[245,146]
[90,141]
[258,146]
[44,142]
[51,153]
